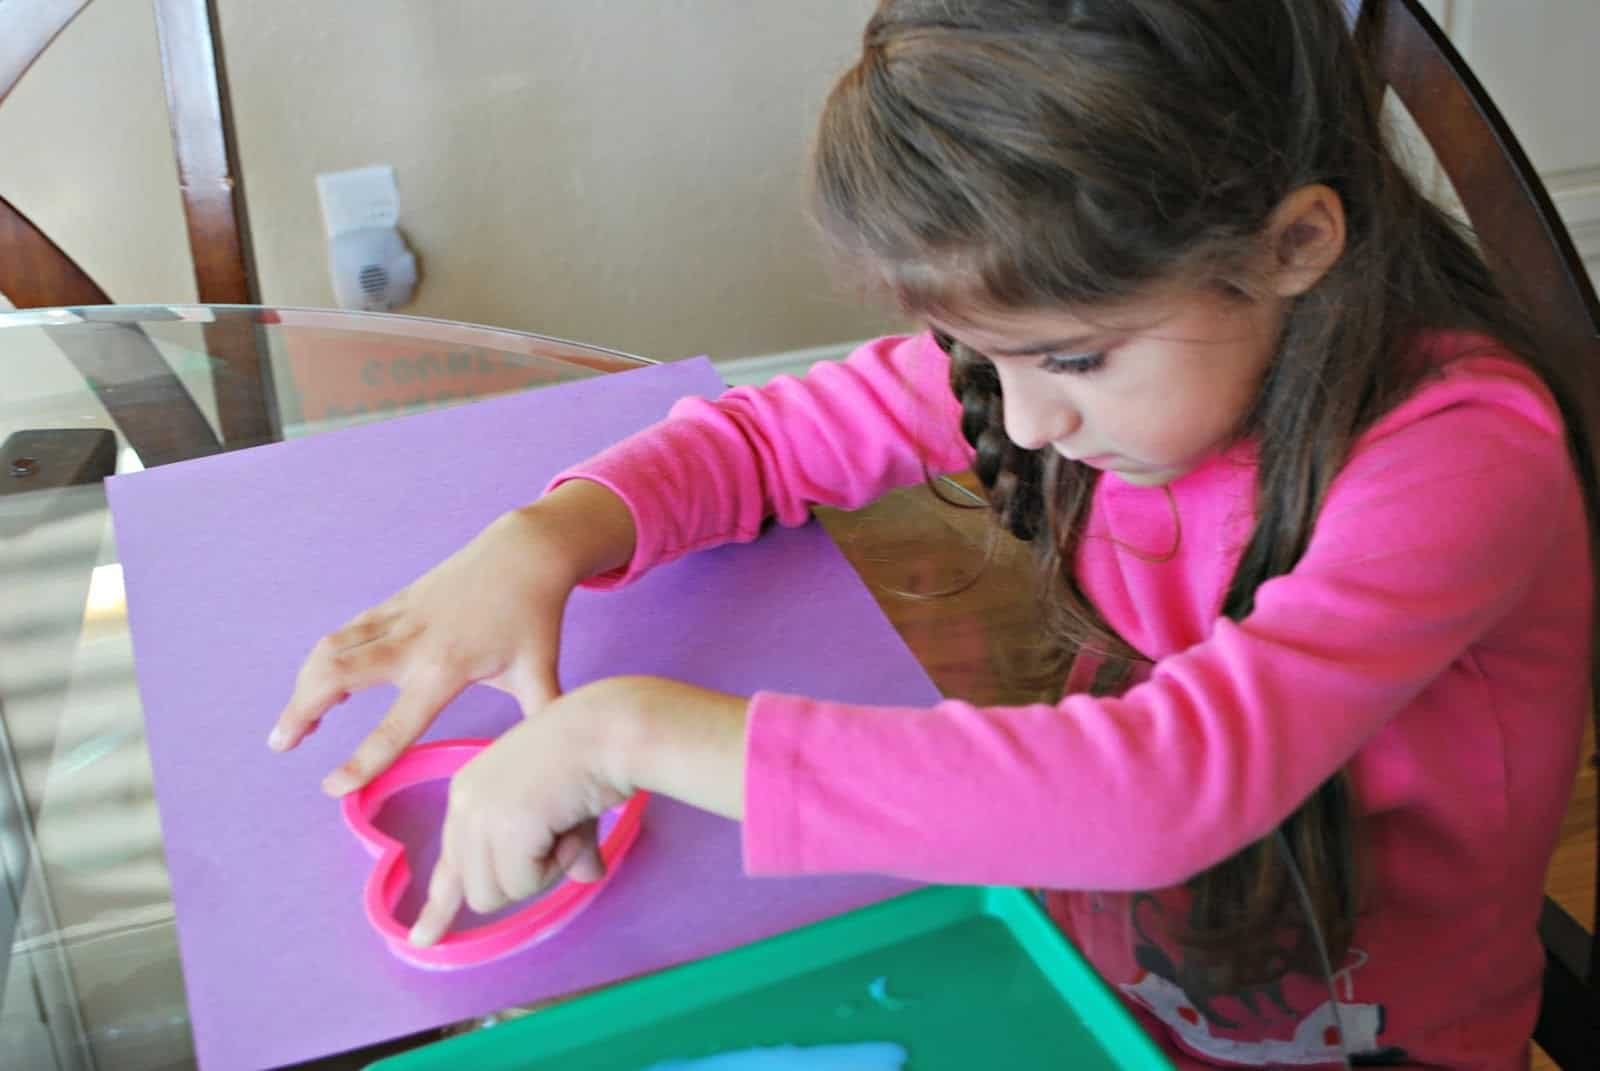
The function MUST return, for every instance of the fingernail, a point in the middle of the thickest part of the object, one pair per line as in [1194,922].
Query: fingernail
[338,783]
[420,936]
[277,740]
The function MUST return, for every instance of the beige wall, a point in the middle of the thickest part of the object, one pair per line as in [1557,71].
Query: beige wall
[627,173]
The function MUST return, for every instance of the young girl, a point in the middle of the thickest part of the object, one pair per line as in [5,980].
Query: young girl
[1303,507]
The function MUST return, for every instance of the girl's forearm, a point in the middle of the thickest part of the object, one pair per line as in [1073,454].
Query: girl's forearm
[676,739]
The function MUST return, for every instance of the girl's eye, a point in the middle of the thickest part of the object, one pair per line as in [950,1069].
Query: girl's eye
[1073,363]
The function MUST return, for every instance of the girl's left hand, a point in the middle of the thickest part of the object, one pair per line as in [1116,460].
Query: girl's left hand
[524,810]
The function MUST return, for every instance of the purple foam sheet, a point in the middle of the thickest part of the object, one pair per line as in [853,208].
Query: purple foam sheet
[235,564]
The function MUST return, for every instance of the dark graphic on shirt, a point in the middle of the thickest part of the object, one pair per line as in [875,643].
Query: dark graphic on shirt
[1287,1022]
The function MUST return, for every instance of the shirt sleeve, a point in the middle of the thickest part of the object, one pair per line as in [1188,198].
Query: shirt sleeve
[1432,532]
[715,470]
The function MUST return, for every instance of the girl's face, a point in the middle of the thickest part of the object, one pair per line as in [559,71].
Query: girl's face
[1146,392]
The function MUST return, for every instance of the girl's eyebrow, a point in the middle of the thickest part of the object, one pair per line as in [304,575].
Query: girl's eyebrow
[1054,345]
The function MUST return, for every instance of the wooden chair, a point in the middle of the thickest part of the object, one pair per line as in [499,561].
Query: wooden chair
[163,423]
[1534,259]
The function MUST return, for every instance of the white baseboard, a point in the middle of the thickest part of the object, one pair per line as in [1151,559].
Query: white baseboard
[762,367]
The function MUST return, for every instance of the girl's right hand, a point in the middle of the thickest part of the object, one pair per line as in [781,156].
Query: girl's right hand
[490,613]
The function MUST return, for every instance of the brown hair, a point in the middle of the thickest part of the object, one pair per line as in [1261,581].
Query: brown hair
[1027,154]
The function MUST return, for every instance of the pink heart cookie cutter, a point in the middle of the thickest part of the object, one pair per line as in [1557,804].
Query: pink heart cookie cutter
[391,875]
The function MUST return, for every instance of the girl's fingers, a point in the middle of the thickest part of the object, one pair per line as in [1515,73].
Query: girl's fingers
[366,626]
[444,900]
[514,867]
[362,653]
[419,702]
[534,683]
[533,677]
[476,860]
[316,691]
[577,854]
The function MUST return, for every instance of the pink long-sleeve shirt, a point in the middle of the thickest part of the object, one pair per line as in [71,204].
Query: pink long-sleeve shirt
[1433,639]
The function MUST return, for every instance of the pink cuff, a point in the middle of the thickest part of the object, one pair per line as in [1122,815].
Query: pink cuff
[770,834]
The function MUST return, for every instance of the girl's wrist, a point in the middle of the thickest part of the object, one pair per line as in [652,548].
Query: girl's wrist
[674,739]
[622,732]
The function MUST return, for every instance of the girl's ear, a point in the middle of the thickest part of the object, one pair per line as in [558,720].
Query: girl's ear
[1304,237]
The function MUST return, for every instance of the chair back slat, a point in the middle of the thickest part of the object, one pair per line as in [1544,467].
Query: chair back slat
[34,272]
[202,140]
[1527,246]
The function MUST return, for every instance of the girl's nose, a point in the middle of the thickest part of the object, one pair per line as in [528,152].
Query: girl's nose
[1034,419]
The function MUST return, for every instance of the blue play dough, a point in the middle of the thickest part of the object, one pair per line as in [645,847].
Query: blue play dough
[869,1056]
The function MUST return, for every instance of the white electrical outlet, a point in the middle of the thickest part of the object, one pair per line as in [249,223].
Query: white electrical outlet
[353,200]
[371,266]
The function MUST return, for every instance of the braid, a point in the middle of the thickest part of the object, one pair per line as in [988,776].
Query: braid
[1012,478]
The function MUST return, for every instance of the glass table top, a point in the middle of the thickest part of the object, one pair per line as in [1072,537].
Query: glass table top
[92,977]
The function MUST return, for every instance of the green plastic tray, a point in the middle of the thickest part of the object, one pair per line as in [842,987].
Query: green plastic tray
[963,977]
